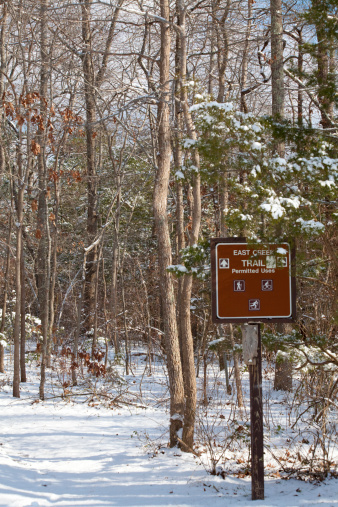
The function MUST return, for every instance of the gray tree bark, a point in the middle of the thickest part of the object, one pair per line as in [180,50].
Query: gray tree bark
[43,254]
[162,230]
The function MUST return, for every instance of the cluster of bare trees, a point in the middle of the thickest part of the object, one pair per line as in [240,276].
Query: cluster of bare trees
[95,105]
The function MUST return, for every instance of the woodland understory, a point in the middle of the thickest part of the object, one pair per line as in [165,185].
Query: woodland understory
[131,133]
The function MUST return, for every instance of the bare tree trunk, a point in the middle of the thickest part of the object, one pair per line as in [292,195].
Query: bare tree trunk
[80,307]
[177,152]
[188,362]
[146,298]
[92,218]
[236,369]
[324,49]
[222,47]
[277,70]
[94,343]
[115,262]
[54,264]
[23,318]
[43,255]
[224,206]
[18,295]
[125,323]
[6,287]
[244,73]
[91,85]
[3,65]
[162,229]
[300,89]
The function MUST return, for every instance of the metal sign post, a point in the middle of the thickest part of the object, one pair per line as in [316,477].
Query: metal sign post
[252,284]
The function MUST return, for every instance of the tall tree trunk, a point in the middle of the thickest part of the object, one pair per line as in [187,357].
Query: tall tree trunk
[324,49]
[23,318]
[43,254]
[113,291]
[300,71]
[92,218]
[3,65]
[188,362]
[277,71]
[244,72]
[224,207]
[222,46]
[177,152]
[54,264]
[19,225]
[162,229]
[6,287]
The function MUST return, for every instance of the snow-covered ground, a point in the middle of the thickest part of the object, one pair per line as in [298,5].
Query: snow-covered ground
[80,451]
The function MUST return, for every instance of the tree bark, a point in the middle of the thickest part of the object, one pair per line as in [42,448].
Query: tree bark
[188,361]
[43,254]
[92,217]
[324,48]
[277,71]
[244,72]
[23,318]
[162,229]
[6,287]
[18,294]
[3,66]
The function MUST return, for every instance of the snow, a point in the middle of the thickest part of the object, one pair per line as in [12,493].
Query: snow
[177,267]
[77,452]
[179,175]
[310,225]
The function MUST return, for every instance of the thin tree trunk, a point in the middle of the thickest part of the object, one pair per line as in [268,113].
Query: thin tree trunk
[54,265]
[162,229]
[188,362]
[324,48]
[244,73]
[224,207]
[43,256]
[92,217]
[277,70]
[180,239]
[236,369]
[23,318]
[115,262]
[3,65]
[222,47]
[300,71]
[94,343]
[126,334]
[78,319]
[19,225]
[6,287]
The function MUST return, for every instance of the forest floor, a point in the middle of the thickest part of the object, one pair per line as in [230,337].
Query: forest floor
[104,443]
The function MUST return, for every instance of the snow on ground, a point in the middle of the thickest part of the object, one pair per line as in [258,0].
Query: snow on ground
[67,453]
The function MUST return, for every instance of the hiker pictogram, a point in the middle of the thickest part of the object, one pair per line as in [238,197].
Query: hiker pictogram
[239,285]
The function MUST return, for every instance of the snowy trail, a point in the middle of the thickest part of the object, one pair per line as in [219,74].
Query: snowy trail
[74,455]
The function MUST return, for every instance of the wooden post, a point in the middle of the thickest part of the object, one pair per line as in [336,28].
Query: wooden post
[256,413]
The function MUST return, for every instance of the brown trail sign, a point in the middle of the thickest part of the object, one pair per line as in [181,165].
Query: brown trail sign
[252,284]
